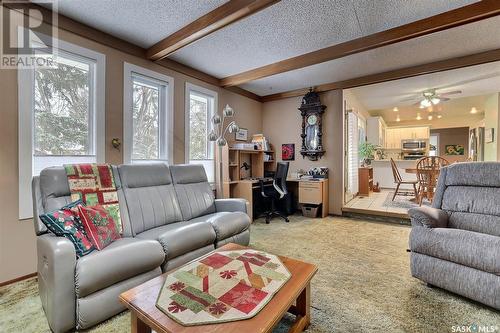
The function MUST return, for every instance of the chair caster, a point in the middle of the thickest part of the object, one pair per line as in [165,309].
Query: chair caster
[287,220]
[267,221]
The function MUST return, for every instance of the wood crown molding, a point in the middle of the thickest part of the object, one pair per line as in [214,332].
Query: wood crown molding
[434,67]
[457,17]
[83,30]
[228,13]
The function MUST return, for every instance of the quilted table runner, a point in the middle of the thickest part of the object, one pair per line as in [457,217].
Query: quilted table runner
[95,185]
[221,287]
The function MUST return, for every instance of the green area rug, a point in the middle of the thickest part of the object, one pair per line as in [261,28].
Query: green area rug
[363,283]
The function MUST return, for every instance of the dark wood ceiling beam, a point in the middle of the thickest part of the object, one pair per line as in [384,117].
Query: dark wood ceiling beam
[83,30]
[457,17]
[434,67]
[218,18]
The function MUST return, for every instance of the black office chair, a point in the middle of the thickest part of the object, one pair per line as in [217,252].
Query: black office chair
[275,192]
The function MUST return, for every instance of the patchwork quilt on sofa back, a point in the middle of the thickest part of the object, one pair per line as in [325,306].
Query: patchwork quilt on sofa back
[94,184]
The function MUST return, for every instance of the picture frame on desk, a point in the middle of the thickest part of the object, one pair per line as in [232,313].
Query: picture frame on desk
[241,135]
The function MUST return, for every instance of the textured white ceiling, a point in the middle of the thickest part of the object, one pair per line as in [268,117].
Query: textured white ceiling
[141,22]
[472,81]
[464,40]
[293,27]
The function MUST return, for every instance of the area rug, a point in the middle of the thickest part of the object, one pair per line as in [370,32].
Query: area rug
[222,287]
[363,283]
[401,201]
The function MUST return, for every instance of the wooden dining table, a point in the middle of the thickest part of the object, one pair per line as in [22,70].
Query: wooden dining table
[432,176]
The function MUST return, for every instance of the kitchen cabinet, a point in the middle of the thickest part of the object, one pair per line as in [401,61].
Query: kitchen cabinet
[375,131]
[394,135]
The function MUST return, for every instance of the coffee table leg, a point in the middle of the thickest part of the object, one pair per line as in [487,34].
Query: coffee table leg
[303,311]
[138,326]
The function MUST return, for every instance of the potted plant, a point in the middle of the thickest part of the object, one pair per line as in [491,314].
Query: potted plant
[366,152]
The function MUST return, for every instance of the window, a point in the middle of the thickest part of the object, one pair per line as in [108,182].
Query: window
[200,107]
[147,115]
[61,115]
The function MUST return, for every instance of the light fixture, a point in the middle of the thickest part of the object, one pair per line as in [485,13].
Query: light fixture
[473,110]
[435,100]
[419,117]
[398,119]
[395,109]
[425,103]
[439,116]
[429,117]
[217,134]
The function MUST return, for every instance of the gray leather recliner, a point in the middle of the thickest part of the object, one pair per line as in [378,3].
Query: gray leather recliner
[455,244]
[169,216]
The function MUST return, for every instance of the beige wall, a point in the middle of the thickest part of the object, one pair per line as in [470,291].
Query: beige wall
[353,103]
[453,136]
[17,239]
[491,120]
[281,123]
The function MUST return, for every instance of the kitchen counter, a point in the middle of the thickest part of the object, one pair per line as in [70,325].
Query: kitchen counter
[382,172]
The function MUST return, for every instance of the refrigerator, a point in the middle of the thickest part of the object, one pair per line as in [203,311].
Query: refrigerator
[476,144]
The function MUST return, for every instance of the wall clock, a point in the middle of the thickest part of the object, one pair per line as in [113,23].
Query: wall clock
[311,111]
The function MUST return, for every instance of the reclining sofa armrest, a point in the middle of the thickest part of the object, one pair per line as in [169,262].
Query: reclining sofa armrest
[231,205]
[56,281]
[428,217]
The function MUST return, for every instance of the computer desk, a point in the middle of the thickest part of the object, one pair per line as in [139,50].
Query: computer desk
[305,191]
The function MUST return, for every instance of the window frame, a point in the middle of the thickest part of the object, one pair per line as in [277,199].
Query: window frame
[26,93]
[166,121]
[190,87]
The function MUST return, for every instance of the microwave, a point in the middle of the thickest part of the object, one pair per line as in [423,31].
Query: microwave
[420,145]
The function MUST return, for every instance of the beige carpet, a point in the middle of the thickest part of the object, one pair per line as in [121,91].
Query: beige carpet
[363,283]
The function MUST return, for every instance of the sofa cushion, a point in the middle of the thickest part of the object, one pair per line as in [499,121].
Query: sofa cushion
[65,222]
[468,248]
[181,237]
[100,226]
[150,196]
[195,195]
[121,260]
[471,199]
[226,224]
[486,224]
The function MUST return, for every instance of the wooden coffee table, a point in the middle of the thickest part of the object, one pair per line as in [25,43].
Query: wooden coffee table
[293,297]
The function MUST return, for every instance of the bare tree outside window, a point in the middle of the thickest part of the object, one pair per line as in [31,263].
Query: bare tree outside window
[198,133]
[145,122]
[62,110]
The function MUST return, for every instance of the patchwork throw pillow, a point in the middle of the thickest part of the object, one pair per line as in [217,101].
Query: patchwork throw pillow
[65,222]
[99,225]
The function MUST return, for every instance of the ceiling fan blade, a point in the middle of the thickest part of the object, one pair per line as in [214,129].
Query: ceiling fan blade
[451,93]
[444,99]
[408,99]
[416,104]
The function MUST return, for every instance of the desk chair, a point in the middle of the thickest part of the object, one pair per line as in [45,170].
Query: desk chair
[276,192]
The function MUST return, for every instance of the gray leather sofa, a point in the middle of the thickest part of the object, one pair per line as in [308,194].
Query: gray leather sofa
[169,216]
[456,244]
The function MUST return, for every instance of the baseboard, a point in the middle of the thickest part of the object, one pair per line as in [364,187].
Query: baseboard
[24,277]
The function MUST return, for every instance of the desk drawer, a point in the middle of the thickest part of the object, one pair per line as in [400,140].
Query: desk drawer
[310,195]
[311,184]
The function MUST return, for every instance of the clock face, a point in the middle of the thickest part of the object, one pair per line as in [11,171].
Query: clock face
[312,119]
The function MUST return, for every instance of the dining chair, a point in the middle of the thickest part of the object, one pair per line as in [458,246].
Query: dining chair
[398,180]
[428,169]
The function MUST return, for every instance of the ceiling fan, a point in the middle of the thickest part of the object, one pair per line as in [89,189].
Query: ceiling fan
[431,97]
